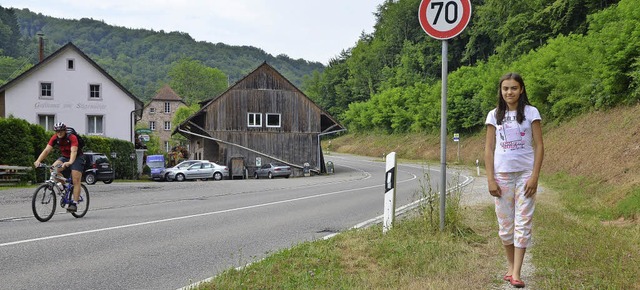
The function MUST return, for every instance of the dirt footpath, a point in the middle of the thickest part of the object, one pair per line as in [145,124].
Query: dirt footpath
[477,193]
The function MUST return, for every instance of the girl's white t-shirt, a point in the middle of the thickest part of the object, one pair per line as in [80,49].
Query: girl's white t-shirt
[514,150]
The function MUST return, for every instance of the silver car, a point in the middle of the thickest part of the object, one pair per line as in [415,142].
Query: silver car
[273,169]
[171,171]
[202,170]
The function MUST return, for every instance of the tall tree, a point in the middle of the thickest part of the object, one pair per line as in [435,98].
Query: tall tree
[9,33]
[195,81]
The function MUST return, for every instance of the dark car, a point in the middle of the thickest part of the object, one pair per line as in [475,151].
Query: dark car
[271,170]
[97,168]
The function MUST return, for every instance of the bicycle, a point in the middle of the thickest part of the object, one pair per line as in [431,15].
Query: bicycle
[43,203]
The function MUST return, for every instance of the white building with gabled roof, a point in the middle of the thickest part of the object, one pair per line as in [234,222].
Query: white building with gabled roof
[70,87]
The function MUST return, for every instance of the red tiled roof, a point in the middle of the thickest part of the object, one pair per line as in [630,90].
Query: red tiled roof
[167,94]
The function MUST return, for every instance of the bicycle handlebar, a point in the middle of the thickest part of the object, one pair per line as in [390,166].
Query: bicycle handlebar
[42,165]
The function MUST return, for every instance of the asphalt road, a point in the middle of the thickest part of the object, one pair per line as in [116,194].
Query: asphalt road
[166,235]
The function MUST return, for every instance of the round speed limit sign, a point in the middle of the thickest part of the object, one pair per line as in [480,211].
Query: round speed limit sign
[444,19]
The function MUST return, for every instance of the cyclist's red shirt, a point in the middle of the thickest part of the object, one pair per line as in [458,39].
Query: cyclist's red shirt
[65,144]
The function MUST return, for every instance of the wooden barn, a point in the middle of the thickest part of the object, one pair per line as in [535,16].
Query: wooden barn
[262,118]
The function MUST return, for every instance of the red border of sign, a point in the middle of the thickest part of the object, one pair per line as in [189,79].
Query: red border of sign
[437,34]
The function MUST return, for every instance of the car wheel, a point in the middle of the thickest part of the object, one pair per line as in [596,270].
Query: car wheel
[217,176]
[270,175]
[166,177]
[107,181]
[287,176]
[179,177]
[255,175]
[90,178]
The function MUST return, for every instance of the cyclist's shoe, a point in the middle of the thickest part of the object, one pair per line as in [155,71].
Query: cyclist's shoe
[72,208]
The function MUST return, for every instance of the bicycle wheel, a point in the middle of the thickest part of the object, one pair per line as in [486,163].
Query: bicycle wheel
[83,202]
[43,203]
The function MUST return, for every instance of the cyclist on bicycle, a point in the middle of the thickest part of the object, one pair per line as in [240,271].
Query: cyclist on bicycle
[71,158]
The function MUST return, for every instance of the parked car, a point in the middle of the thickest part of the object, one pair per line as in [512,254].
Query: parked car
[97,168]
[169,173]
[203,170]
[273,169]
[219,171]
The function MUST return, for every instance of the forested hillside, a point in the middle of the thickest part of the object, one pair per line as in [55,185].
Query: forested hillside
[575,56]
[139,59]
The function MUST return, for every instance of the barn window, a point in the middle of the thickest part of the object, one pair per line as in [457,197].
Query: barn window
[254,120]
[273,120]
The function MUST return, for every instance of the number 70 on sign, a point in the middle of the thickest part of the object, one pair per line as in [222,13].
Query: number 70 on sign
[444,19]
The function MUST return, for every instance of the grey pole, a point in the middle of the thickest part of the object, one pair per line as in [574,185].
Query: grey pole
[443,136]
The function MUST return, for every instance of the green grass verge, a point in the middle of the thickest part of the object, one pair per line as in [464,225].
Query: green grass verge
[575,248]
[578,246]
[414,254]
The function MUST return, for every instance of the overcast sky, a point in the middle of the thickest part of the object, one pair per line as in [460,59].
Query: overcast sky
[308,29]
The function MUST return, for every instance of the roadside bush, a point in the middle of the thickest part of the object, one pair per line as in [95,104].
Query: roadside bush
[16,147]
[146,170]
[23,142]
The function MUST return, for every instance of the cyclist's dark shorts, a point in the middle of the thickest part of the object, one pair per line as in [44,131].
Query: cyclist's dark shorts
[77,165]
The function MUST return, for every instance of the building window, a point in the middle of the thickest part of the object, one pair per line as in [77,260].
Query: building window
[254,120]
[152,111]
[94,92]
[71,64]
[46,121]
[167,107]
[152,125]
[167,125]
[167,146]
[95,125]
[46,90]
[273,120]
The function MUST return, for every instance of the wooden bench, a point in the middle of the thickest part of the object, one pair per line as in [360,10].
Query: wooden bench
[11,174]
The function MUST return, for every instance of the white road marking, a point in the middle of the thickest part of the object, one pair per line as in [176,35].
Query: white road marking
[191,216]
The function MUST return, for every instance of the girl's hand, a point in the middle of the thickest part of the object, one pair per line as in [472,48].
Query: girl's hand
[494,189]
[531,187]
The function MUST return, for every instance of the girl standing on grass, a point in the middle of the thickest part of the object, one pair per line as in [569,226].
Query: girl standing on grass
[513,157]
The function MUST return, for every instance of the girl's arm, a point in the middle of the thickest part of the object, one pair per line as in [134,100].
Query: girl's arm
[489,148]
[538,147]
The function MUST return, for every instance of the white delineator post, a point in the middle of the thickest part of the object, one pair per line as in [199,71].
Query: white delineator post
[389,193]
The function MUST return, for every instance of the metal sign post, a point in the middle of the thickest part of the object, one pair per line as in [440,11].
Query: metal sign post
[389,193]
[444,19]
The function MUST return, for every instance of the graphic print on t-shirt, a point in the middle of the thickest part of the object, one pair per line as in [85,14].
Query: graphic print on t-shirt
[511,131]
[511,134]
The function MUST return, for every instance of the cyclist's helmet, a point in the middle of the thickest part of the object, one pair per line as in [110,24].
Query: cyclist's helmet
[60,126]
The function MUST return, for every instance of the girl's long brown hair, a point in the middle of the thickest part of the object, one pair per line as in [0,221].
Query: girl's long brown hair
[522,101]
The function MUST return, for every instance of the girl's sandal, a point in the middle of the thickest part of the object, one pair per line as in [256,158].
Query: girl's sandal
[507,278]
[517,283]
